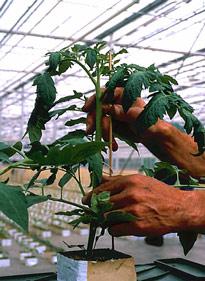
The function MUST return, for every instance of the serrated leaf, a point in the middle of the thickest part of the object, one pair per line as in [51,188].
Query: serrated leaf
[77,95]
[156,108]
[168,78]
[78,48]
[61,111]
[116,80]
[187,240]
[75,134]
[171,111]
[64,65]
[54,59]
[135,84]
[95,167]
[13,204]
[193,124]
[66,155]
[77,121]
[91,58]
[45,88]
[38,118]
[35,199]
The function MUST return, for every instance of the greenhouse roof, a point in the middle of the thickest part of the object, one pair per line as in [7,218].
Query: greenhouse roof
[169,34]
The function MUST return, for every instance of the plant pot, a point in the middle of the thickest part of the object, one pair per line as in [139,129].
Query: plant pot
[104,264]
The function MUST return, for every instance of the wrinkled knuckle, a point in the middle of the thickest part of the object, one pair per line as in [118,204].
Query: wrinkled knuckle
[133,179]
[132,194]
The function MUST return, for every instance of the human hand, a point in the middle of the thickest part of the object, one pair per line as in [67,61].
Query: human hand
[158,207]
[122,122]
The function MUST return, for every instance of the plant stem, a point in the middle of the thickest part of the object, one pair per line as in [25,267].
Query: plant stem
[98,136]
[71,203]
[98,107]
[19,152]
[85,69]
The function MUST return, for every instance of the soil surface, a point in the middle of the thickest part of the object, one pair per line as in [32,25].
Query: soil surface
[96,255]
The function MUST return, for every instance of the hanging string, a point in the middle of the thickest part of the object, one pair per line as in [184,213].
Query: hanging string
[110,142]
[110,127]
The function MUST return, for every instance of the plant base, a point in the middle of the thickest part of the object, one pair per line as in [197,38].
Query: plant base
[103,264]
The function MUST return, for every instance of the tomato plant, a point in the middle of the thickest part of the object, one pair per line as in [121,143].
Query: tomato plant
[76,149]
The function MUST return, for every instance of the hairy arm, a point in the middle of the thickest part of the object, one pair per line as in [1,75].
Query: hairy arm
[170,144]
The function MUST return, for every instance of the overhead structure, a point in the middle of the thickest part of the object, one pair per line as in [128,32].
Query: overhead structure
[169,34]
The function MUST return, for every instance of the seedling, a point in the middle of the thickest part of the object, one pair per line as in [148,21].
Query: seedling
[75,149]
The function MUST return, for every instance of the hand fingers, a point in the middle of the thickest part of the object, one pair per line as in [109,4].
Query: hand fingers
[113,186]
[89,104]
[139,102]
[117,112]
[90,122]
[123,229]
[91,101]
[110,178]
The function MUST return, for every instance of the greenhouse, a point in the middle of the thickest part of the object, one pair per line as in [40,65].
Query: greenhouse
[102,140]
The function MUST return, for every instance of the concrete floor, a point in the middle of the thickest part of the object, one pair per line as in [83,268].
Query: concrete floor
[136,247]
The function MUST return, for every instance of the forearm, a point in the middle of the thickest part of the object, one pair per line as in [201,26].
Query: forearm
[196,211]
[171,145]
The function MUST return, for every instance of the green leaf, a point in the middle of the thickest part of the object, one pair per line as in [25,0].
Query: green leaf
[38,118]
[35,199]
[116,80]
[75,121]
[54,60]
[13,204]
[75,212]
[156,108]
[168,78]
[66,154]
[4,157]
[10,152]
[148,172]
[100,203]
[75,134]
[187,240]
[51,179]
[137,81]
[95,167]
[64,65]
[77,48]
[91,57]
[3,146]
[67,177]
[61,111]
[192,123]
[77,95]
[32,180]
[45,88]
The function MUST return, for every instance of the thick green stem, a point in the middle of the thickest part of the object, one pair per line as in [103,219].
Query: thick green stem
[91,238]
[98,136]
